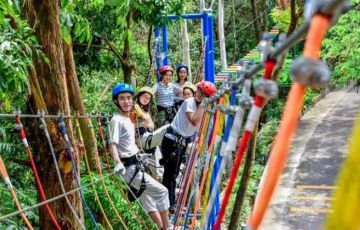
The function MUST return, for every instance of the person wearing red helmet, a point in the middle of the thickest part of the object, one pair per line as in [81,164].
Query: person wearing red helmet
[180,134]
[164,91]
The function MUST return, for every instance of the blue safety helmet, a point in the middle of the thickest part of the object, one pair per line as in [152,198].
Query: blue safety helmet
[122,88]
[182,65]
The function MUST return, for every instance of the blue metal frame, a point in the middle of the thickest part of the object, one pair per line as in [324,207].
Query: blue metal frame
[207,21]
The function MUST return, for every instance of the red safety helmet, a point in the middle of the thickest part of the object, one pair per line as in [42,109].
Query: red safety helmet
[166,68]
[207,87]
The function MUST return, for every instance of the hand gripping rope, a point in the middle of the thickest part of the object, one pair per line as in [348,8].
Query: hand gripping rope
[325,13]
[7,181]
[87,165]
[44,127]
[20,127]
[265,90]
[98,164]
[63,131]
[228,144]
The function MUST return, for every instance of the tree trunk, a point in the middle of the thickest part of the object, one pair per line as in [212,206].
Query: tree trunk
[222,35]
[241,192]
[44,17]
[264,16]
[295,16]
[77,105]
[186,45]
[125,62]
[149,51]
[256,21]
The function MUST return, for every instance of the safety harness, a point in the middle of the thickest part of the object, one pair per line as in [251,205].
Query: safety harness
[170,113]
[181,144]
[133,193]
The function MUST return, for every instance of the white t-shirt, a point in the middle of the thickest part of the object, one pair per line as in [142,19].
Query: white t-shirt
[181,123]
[122,134]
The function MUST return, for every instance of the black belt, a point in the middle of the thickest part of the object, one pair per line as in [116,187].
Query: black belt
[128,161]
[178,136]
[167,109]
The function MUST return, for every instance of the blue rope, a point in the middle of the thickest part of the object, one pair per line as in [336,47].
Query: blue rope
[63,131]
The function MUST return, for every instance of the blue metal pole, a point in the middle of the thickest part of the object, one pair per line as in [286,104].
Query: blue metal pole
[157,52]
[165,44]
[205,38]
[186,16]
[210,50]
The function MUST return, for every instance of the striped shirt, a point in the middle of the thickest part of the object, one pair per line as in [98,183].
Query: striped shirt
[164,94]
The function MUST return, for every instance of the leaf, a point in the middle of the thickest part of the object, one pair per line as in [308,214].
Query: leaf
[64,3]
[65,33]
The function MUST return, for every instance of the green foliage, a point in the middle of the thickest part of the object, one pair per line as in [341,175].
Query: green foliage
[17,47]
[341,48]
[282,18]
[120,203]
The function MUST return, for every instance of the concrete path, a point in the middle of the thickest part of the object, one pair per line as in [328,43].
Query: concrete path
[302,199]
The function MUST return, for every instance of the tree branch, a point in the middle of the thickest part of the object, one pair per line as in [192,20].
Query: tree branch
[20,161]
[112,48]
[92,45]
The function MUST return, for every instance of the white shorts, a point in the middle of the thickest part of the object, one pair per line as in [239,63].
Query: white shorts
[155,197]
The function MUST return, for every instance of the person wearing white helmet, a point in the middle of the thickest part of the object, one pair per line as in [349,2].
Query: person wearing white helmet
[148,138]
[189,90]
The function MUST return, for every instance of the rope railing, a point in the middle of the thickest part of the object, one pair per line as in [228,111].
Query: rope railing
[49,200]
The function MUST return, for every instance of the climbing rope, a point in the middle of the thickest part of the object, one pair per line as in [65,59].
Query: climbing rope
[7,181]
[20,127]
[44,127]
[87,165]
[320,22]
[63,131]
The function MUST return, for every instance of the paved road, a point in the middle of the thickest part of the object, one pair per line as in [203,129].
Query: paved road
[303,196]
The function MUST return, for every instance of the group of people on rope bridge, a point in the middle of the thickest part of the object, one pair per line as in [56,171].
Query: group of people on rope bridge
[180,110]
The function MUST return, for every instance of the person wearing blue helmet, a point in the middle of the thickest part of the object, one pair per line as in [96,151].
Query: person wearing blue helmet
[152,194]
[182,71]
